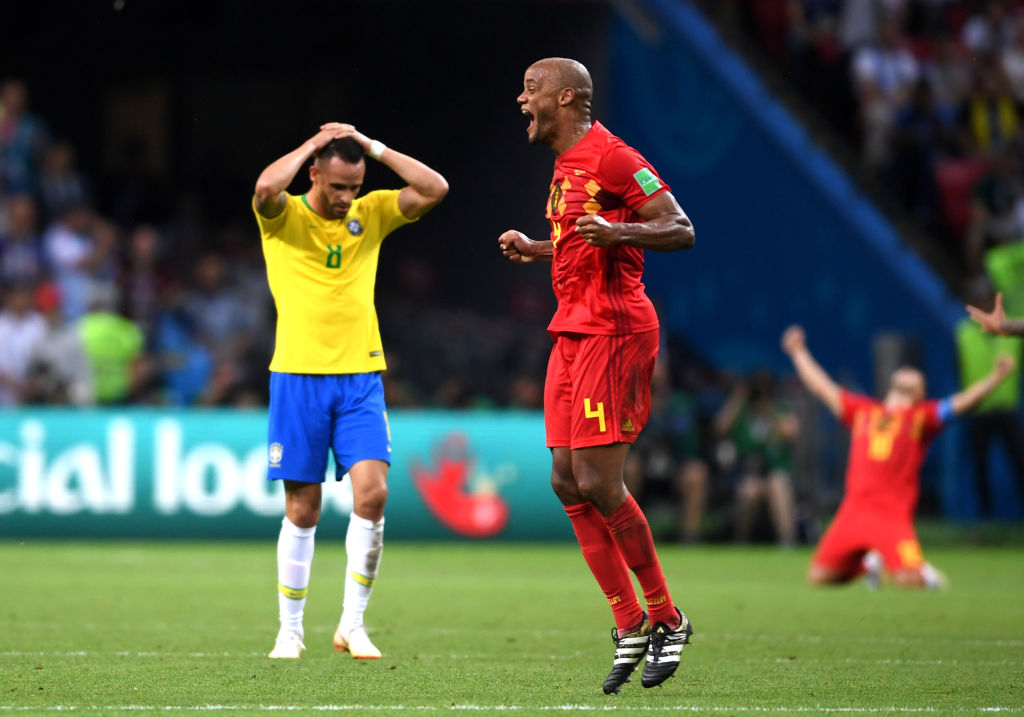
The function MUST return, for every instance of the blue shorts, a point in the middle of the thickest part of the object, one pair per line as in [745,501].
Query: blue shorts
[310,413]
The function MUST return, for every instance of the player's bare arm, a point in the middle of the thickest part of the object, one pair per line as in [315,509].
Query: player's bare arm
[995,321]
[811,374]
[520,249]
[665,227]
[726,417]
[426,188]
[967,399]
[269,197]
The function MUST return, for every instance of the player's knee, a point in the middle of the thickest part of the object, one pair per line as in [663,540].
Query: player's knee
[911,578]
[565,488]
[818,576]
[304,514]
[372,498]
[563,483]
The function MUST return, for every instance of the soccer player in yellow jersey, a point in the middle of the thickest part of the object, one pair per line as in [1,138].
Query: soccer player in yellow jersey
[321,251]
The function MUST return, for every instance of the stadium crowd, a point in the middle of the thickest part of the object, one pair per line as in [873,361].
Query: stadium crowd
[930,93]
[115,300]
[112,297]
[116,297]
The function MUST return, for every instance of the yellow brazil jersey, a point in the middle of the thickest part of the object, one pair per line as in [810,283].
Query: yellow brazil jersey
[322,273]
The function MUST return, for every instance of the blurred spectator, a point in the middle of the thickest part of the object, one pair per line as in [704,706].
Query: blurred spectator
[918,134]
[184,363]
[950,76]
[860,20]
[997,210]
[58,372]
[142,278]
[79,248]
[23,138]
[222,321]
[21,327]
[761,430]
[1012,64]
[989,115]
[1004,265]
[527,393]
[60,183]
[113,347]
[21,249]
[988,33]
[884,73]
[997,416]
[665,462]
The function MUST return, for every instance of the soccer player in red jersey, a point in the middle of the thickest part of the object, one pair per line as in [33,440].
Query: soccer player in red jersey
[606,206]
[888,443]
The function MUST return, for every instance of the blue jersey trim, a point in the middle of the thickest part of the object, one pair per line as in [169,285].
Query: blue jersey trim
[946,409]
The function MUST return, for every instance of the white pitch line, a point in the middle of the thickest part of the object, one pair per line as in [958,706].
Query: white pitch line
[505,708]
[867,638]
[888,661]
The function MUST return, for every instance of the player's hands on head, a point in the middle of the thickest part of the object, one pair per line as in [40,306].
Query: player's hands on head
[328,132]
[516,246]
[1005,365]
[596,231]
[991,321]
[340,130]
[793,339]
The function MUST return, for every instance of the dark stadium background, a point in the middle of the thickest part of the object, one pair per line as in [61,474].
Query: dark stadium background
[176,103]
[210,92]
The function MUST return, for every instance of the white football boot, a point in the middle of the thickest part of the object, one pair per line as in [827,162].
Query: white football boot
[357,642]
[288,646]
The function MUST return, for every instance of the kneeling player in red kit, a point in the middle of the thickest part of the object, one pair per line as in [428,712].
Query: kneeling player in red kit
[888,443]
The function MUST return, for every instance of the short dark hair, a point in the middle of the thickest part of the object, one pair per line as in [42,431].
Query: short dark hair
[346,148]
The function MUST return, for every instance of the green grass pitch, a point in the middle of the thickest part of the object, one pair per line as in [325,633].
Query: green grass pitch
[116,628]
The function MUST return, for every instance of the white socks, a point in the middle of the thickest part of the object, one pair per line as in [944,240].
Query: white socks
[294,556]
[363,544]
[933,578]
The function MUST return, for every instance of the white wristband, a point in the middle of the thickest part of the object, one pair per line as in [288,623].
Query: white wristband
[376,149]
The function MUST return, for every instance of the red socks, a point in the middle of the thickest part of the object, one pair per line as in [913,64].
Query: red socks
[631,533]
[606,563]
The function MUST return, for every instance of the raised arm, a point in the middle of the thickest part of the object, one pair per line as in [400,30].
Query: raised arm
[269,198]
[810,372]
[965,400]
[665,227]
[995,321]
[425,188]
[726,417]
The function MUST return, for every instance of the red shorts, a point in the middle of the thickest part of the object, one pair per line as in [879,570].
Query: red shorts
[598,388]
[855,531]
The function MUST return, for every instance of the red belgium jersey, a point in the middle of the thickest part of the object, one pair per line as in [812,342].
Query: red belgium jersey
[598,288]
[887,448]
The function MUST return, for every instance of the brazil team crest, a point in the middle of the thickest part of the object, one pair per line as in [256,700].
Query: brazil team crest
[355,228]
[275,454]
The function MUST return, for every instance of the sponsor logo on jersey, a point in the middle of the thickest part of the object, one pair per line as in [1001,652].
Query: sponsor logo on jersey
[627,426]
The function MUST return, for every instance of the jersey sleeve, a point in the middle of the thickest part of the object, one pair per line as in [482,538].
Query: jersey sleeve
[934,415]
[850,404]
[269,225]
[629,176]
[385,204]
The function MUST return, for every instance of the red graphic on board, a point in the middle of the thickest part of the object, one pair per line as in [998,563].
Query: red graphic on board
[476,511]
